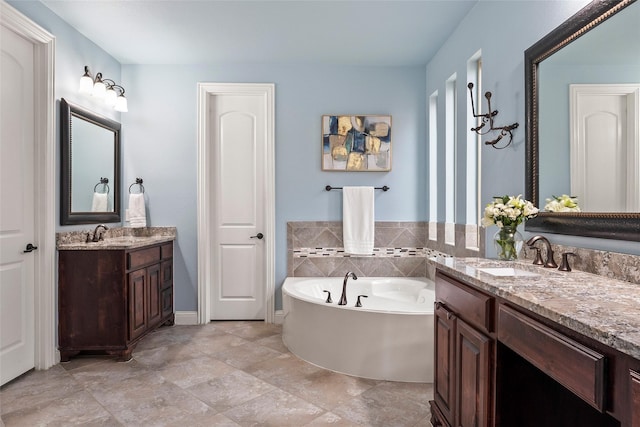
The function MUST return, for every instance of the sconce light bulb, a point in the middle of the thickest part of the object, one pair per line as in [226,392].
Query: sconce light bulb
[99,89]
[121,104]
[86,83]
[110,97]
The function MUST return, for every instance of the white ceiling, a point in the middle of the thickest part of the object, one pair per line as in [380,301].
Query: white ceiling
[359,32]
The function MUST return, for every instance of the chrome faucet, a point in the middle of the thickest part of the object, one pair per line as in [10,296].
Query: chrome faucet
[99,234]
[550,262]
[343,298]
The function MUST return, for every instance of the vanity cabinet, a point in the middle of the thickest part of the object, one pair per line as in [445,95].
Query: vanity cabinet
[499,364]
[463,355]
[109,299]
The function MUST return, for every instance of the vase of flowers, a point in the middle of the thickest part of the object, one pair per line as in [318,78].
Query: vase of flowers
[507,212]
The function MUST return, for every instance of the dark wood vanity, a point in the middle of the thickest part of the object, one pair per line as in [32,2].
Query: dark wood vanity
[109,299]
[499,364]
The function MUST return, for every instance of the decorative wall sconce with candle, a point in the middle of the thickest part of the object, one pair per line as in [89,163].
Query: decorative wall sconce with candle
[102,88]
[487,118]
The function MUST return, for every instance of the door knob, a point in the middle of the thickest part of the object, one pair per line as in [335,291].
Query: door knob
[258,236]
[29,248]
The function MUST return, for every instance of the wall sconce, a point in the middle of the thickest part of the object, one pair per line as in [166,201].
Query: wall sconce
[488,119]
[107,89]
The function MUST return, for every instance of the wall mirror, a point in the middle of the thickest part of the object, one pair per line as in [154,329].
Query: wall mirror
[599,46]
[90,167]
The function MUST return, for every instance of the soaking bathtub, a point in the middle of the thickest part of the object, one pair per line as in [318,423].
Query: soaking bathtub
[389,338]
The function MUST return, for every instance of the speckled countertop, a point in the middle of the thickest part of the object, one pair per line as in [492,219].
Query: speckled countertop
[115,238]
[606,310]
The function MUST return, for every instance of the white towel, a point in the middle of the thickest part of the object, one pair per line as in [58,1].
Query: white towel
[358,220]
[100,202]
[136,214]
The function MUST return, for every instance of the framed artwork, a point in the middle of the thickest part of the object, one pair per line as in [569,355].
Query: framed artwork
[356,143]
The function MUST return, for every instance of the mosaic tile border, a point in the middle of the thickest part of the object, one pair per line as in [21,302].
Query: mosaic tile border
[377,253]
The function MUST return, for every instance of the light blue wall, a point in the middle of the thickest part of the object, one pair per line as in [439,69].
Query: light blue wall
[502,31]
[73,52]
[160,145]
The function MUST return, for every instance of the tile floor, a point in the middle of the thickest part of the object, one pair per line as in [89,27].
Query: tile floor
[220,374]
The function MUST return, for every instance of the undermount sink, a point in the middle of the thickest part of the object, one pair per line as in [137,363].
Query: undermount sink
[507,272]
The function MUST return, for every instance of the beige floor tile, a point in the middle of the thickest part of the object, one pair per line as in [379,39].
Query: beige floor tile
[230,390]
[194,371]
[283,370]
[276,408]
[273,342]
[79,409]
[36,388]
[330,419]
[255,331]
[245,355]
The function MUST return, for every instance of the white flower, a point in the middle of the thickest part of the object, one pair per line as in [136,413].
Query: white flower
[508,211]
[562,203]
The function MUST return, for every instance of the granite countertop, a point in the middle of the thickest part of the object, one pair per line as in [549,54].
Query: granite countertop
[115,238]
[606,310]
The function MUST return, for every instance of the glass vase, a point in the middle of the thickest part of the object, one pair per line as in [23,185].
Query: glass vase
[508,242]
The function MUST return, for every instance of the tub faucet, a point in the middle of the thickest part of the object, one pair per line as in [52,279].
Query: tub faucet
[550,262]
[343,298]
[99,234]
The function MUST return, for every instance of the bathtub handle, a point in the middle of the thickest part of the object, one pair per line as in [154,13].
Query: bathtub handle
[358,303]
[329,300]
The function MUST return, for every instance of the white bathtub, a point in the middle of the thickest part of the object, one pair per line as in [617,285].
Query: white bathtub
[389,338]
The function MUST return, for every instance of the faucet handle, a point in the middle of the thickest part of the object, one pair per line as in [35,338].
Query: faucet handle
[329,300]
[358,302]
[564,265]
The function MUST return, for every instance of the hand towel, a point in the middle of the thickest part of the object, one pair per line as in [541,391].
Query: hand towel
[136,214]
[358,220]
[100,202]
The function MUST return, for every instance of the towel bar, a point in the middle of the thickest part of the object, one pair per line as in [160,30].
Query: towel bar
[329,188]
[139,181]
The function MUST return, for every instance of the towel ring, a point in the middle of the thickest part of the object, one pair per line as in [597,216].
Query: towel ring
[105,183]
[139,182]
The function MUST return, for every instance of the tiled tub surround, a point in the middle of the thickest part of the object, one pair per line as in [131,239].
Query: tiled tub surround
[604,309]
[115,238]
[608,264]
[315,249]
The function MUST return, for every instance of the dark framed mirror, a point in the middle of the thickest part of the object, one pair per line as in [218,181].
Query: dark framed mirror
[90,167]
[606,29]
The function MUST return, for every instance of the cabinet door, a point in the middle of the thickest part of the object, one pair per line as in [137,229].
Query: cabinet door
[635,398]
[444,369]
[154,306]
[137,303]
[473,351]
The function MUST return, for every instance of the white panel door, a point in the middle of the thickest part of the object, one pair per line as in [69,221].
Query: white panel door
[238,145]
[17,333]
[604,149]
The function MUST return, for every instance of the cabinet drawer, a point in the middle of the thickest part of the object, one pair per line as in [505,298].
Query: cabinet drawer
[167,250]
[570,363]
[474,306]
[143,257]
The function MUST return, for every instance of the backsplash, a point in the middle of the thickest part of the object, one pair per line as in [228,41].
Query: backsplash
[613,265]
[401,249]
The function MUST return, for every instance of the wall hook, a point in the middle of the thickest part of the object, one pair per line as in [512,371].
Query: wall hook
[487,118]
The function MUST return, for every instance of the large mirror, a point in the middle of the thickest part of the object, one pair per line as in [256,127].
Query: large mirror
[90,167]
[594,154]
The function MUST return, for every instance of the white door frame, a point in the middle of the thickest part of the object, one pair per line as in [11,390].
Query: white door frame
[205,188]
[46,353]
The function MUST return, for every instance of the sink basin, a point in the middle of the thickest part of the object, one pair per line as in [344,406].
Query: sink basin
[507,272]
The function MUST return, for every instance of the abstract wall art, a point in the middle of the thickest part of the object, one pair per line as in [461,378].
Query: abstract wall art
[356,143]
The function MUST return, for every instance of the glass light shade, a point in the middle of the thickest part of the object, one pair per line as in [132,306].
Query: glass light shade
[110,97]
[121,104]
[99,90]
[86,84]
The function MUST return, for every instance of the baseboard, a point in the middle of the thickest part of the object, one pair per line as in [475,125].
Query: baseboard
[278,319]
[186,318]
[191,317]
